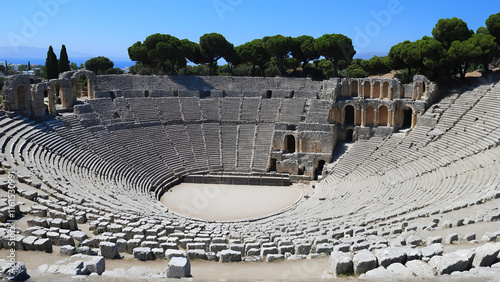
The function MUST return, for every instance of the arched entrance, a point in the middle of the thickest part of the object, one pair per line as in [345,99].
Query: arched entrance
[319,169]
[354,88]
[20,97]
[383,116]
[289,144]
[349,115]
[348,135]
[370,116]
[376,90]
[81,87]
[407,116]
[82,84]
[385,90]
[367,89]
[58,93]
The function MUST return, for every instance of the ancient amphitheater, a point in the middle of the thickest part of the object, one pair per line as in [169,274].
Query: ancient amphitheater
[415,195]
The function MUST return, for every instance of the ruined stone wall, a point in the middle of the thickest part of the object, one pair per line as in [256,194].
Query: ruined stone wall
[313,143]
[40,99]
[17,94]
[200,83]
[316,116]
[129,86]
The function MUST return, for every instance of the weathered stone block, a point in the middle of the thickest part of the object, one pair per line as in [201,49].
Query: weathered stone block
[340,263]
[364,261]
[267,251]
[178,267]
[96,265]
[274,257]
[217,247]
[457,261]
[143,253]
[197,254]
[29,242]
[390,255]
[486,255]
[230,256]
[43,245]
[432,250]
[451,238]
[175,253]
[302,249]
[420,269]
[67,250]
[109,250]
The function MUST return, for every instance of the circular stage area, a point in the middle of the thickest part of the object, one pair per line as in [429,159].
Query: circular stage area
[230,202]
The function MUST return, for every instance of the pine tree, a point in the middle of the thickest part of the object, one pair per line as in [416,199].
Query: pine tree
[52,70]
[63,63]
[29,66]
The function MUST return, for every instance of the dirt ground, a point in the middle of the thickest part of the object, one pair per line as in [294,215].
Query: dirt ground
[298,270]
[231,202]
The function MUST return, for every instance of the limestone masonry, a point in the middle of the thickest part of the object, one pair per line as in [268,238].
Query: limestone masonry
[416,195]
[302,118]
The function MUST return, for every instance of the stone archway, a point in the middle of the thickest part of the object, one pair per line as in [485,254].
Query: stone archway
[58,93]
[354,88]
[376,90]
[349,114]
[385,90]
[77,78]
[370,116]
[383,116]
[80,86]
[407,117]
[367,89]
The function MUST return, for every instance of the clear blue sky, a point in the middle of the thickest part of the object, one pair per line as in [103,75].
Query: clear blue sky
[109,27]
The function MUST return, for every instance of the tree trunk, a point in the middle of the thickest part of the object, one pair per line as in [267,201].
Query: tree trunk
[464,71]
[280,66]
[335,68]
[212,69]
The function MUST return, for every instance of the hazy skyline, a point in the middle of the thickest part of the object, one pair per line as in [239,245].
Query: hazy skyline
[108,28]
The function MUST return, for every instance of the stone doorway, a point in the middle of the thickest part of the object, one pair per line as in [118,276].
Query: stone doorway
[407,117]
[319,169]
[349,115]
[289,144]
[348,135]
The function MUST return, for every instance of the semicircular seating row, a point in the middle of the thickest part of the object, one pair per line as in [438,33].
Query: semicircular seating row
[429,170]
[162,139]
[86,159]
